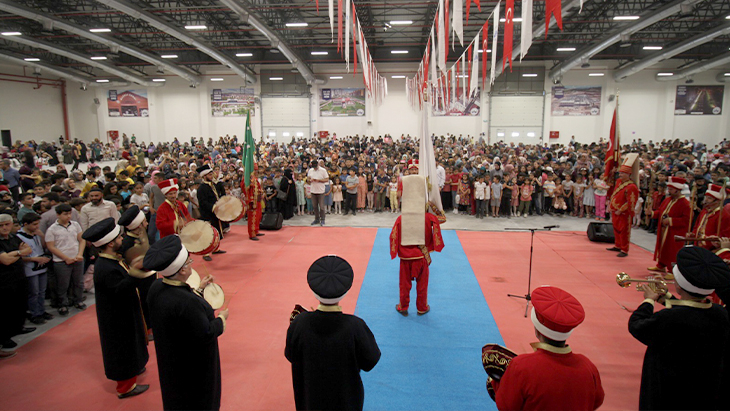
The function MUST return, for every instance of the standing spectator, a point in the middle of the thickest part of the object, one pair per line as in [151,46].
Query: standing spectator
[12,176]
[13,286]
[97,209]
[446,190]
[26,202]
[301,199]
[464,194]
[589,197]
[526,197]
[480,194]
[317,177]
[380,188]
[351,183]
[156,199]
[64,240]
[49,202]
[578,193]
[601,190]
[36,267]
[362,190]
[496,195]
[393,190]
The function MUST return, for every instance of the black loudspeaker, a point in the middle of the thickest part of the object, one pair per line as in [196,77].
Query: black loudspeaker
[271,221]
[7,140]
[601,232]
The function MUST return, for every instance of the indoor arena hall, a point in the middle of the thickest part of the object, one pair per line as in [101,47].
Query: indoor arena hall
[437,205]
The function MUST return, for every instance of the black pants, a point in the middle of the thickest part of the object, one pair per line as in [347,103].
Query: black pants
[350,202]
[446,200]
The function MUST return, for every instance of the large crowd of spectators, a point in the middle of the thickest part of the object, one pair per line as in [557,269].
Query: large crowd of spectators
[51,204]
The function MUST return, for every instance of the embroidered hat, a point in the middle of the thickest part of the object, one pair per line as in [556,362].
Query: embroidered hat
[555,312]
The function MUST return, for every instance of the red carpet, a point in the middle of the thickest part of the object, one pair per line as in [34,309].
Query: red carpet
[62,369]
[586,270]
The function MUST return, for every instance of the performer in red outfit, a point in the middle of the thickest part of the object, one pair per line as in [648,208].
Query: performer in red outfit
[172,214]
[622,205]
[553,377]
[414,247]
[673,216]
[708,222]
[254,194]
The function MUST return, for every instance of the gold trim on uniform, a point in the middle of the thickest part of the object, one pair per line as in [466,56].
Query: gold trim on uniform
[551,348]
[329,308]
[175,283]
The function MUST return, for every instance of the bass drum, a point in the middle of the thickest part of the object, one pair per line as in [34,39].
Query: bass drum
[199,237]
[229,209]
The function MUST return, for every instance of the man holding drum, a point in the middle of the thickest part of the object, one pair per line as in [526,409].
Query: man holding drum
[208,194]
[171,214]
[186,331]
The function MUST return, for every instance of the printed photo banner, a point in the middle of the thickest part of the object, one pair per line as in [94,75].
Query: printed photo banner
[232,102]
[460,106]
[698,100]
[342,102]
[576,101]
[128,103]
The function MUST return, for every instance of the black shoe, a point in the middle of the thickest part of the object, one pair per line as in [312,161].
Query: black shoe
[260,235]
[26,330]
[139,389]
[9,344]
[613,249]
[621,254]
[48,316]
[207,258]
[80,306]
[38,320]
[315,222]
[219,252]
[254,239]
[63,311]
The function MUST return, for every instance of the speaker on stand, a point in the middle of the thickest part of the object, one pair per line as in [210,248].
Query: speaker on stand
[600,232]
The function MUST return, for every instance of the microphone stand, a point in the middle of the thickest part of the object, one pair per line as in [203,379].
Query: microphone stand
[528,297]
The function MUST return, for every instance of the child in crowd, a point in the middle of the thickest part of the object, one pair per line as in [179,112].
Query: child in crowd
[567,184]
[601,190]
[270,195]
[308,195]
[464,193]
[496,195]
[526,196]
[559,203]
[337,198]
[578,188]
[301,199]
[480,193]
[393,191]
[515,200]
[328,197]
[139,198]
[124,189]
[589,199]
[637,211]
[549,190]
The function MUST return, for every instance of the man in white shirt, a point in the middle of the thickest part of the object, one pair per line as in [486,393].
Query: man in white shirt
[63,239]
[97,209]
[317,176]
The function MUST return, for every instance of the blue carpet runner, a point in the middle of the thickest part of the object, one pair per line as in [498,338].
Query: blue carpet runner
[429,362]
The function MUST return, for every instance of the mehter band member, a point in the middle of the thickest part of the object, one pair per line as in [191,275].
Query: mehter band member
[186,331]
[171,214]
[714,220]
[673,219]
[118,310]
[623,200]
[685,343]
[552,377]
[327,348]
[208,193]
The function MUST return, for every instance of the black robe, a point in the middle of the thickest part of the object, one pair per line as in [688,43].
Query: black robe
[186,341]
[724,399]
[287,205]
[121,326]
[13,291]
[207,198]
[327,351]
[684,355]
[143,285]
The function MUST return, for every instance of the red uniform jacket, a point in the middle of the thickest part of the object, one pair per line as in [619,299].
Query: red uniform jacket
[170,219]
[434,241]
[254,194]
[677,217]
[551,378]
[707,225]
[624,198]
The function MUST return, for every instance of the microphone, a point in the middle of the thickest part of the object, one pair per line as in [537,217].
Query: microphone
[551,226]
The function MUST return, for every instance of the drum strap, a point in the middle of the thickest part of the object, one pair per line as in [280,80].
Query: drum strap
[179,220]
[215,190]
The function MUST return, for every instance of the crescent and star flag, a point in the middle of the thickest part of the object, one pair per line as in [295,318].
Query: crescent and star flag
[556,9]
[468,6]
[249,147]
[485,46]
[613,152]
[509,15]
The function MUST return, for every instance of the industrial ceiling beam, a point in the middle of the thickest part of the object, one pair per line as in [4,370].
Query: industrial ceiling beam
[244,11]
[672,51]
[700,67]
[56,71]
[51,21]
[645,21]
[202,45]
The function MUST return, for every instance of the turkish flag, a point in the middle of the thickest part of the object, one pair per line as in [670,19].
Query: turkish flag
[509,14]
[468,6]
[339,25]
[612,153]
[485,45]
[555,8]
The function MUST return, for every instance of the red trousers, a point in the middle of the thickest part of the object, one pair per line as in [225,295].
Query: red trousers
[254,220]
[126,386]
[410,270]
[621,231]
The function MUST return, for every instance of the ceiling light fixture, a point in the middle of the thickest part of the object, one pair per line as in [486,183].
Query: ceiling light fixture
[529,75]
[297,24]
[652,47]
[595,74]
[98,58]
[565,49]
[101,30]
[102,81]
[244,54]
[196,27]
[169,56]
[488,50]
[397,76]
[401,22]
[727,74]
[623,18]
[664,74]
[335,77]
[216,79]
[320,53]
[158,80]
[276,78]
[399,52]
[31,59]
[11,33]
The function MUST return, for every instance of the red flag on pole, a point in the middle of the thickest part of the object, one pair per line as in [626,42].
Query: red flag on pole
[509,14]
[339,26]
[446,26]
[317,2]
[468,6]
[613,152]
[485,45]
[555,8]
[354,36]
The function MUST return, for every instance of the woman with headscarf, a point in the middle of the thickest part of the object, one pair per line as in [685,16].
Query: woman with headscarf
[287,185]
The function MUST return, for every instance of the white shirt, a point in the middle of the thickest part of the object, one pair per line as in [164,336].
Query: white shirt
[440,176]
[91,214]
[319,174]
[65,239]
[480,191]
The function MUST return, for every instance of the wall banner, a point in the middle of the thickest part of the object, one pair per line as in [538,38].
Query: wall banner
[576,101]
[471,106]
[232,102]
[698,100]
[342,102]
[128,103]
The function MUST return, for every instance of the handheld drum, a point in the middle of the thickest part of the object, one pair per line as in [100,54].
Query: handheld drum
[212,293]
[199,237]
[229,209]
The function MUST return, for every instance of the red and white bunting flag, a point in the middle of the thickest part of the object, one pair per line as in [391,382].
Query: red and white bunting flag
[485,46]
[348,22]
[458,77]
[446,26]
[468,6]
[526,28]
[441,37]
[495,38]
[475,67]
[354,37]
[339,26]
[433,58]
[457,20]
[509,15]
[332,18]
[553,7]
[464,76]
[453,72]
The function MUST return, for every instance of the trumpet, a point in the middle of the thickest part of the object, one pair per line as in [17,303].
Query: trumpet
[657,284]
[696,238]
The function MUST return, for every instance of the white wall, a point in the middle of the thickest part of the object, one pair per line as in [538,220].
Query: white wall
[176,110]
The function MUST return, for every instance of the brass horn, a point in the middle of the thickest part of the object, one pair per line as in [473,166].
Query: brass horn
[657,284]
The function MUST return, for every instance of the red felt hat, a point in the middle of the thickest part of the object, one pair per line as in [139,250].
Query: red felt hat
[676,182]
[714,190]
[413,163]
[168,185]
[556,313]
[625,169]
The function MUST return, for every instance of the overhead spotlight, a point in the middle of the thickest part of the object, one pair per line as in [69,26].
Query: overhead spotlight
[689,81]
[193,85]
[585,65]
[160,69]
[83,86]
[386,26]
[36,71]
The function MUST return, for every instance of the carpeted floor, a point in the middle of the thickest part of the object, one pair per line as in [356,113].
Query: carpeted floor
[429,363]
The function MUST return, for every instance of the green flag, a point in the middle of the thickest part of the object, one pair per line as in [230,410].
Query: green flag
[249,147]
